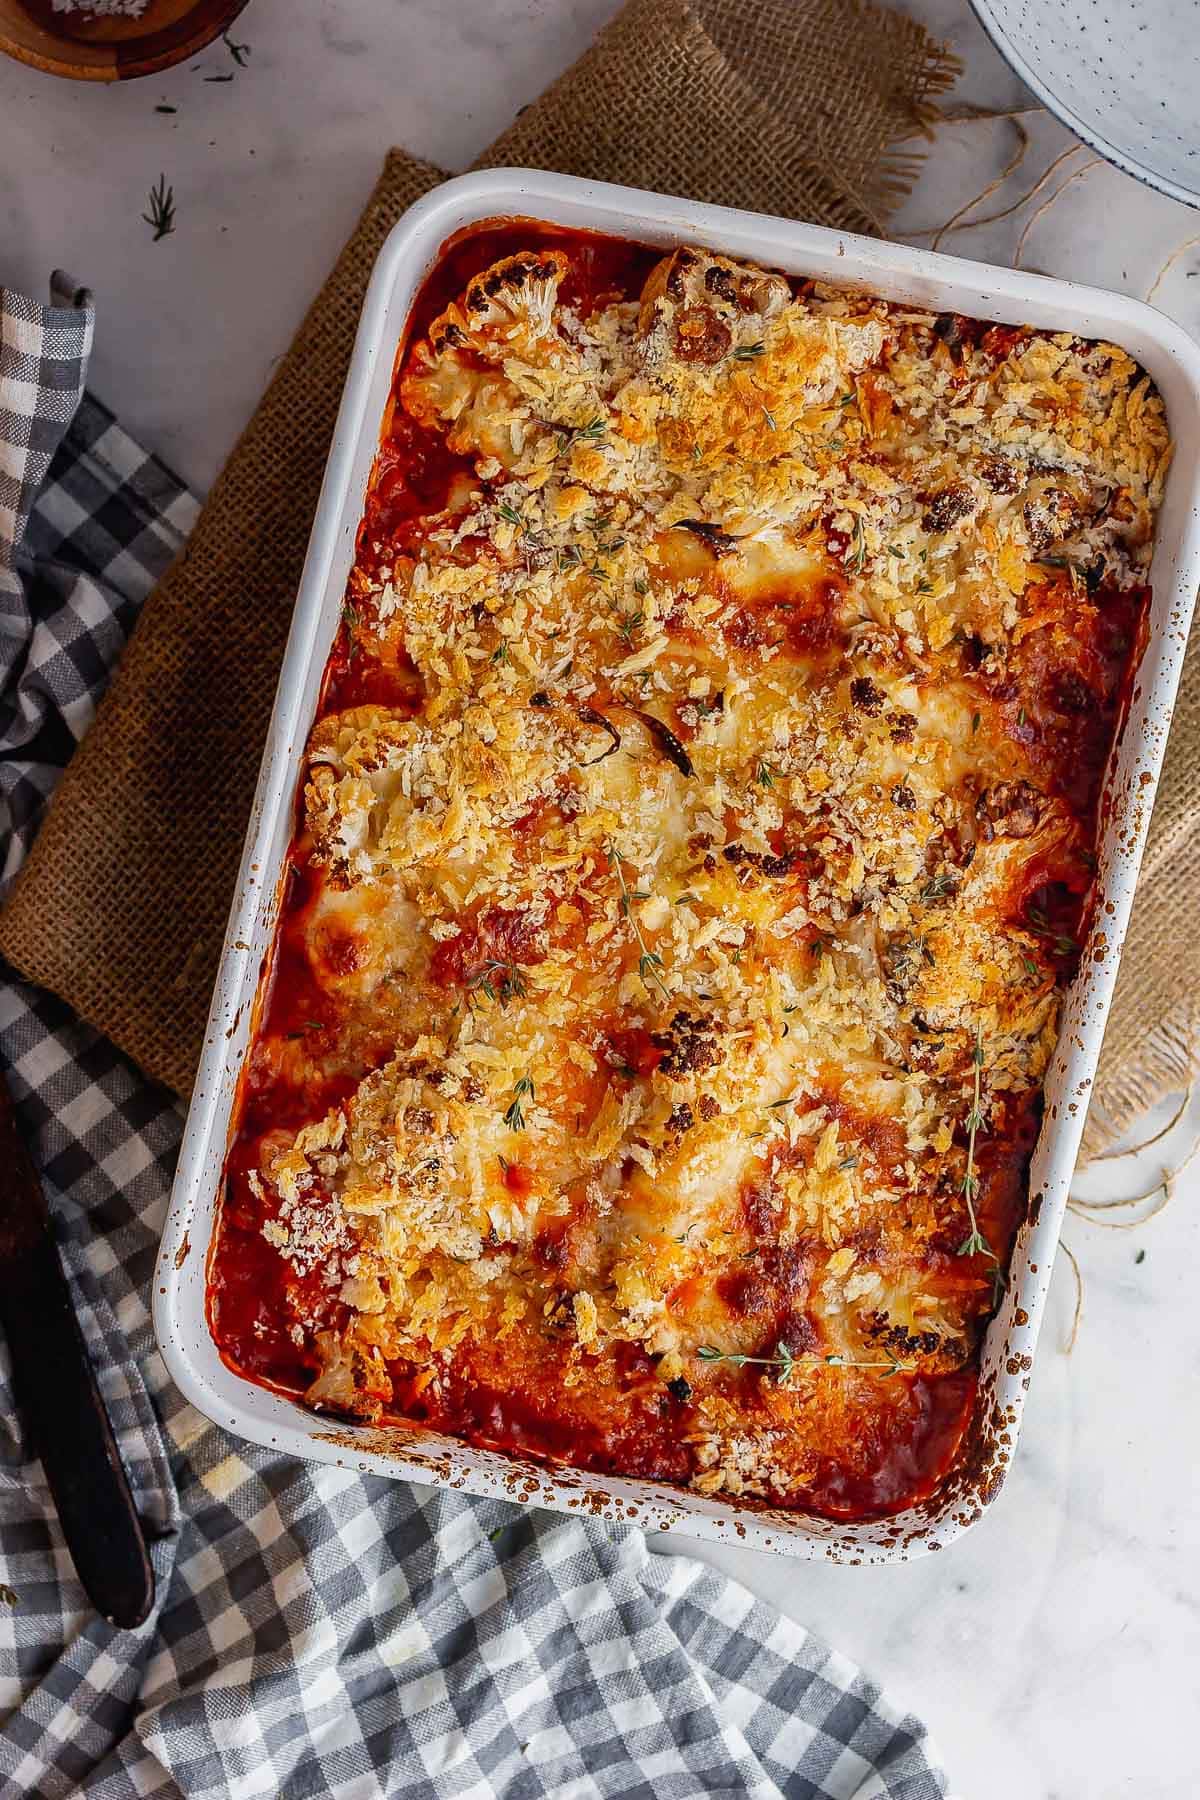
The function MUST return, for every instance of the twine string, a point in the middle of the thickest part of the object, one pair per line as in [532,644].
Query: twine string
[1077,1315]
[962,219]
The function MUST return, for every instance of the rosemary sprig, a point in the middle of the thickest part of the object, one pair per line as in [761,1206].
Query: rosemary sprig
[786,1361]
[649,962]
[162,209]
[523,1089]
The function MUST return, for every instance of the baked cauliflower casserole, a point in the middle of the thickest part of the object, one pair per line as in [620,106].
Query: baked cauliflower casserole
[693,846]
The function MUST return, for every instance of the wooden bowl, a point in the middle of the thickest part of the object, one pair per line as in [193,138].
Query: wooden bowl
[116,47]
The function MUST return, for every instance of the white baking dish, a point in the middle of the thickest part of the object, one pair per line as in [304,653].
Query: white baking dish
[941,283]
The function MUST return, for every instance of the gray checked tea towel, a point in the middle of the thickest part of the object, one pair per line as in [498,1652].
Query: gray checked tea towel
[315,1632]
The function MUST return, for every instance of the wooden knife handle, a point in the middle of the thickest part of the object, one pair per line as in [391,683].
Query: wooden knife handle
[58,1397]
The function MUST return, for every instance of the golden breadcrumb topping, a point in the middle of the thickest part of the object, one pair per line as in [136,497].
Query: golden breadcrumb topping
[694,846]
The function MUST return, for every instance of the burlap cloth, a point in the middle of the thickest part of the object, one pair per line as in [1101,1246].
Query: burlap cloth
[783,106]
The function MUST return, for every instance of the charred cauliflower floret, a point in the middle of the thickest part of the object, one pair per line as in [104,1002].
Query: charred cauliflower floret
[507,310]
[386,793]
[741,364]
[458,375]
[700,308]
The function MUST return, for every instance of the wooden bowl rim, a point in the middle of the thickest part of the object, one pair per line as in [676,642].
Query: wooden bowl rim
[130,66]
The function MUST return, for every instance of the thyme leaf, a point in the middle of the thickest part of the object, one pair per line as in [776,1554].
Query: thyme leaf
[975,1243]
[591,433]
[939,885]
[787,1362]
[649,962]
[523,1089]
[500,981]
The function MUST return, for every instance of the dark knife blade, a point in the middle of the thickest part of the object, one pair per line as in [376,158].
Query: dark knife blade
[58,1397]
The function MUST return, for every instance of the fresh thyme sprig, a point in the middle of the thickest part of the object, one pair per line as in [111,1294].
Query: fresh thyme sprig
[939,885]
[162,209]
[628,623]
[523,1089]
[786,1361]
[649,962]
[592,433]
[1061,942]
[509,986]
[974,1244]
[352,620]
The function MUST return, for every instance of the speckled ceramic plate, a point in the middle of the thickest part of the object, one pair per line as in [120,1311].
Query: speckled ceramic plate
[1124,75]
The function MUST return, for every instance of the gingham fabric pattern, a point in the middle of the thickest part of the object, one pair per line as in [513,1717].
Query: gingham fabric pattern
[75,567]
[315,1632]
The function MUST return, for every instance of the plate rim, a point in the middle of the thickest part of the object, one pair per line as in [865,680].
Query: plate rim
[1121,159]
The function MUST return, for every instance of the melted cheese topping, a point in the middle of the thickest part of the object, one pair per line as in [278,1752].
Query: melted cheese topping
[688,957]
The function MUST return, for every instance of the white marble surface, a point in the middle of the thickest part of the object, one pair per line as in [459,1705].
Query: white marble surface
[1055,1650]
